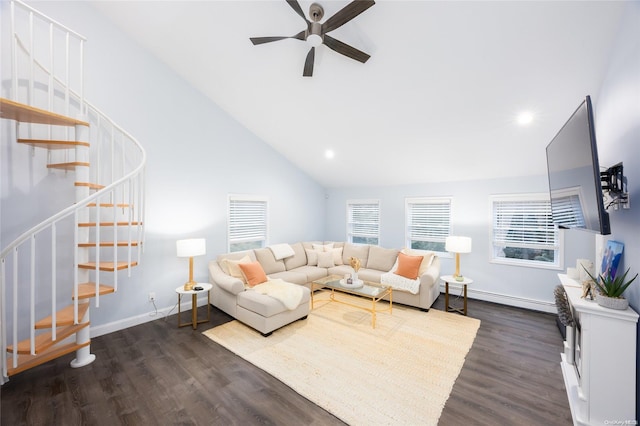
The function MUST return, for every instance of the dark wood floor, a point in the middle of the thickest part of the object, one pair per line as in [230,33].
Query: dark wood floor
[158,374]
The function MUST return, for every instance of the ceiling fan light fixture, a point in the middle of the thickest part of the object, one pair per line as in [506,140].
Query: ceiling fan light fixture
[314,40]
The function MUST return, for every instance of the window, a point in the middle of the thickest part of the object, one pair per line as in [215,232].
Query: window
[363,221]
[523,231]
[247,223]
[428,222]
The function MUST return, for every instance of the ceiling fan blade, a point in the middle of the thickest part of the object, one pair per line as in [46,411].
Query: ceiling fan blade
[308,63]
[345,49]
[296,6]
[262,40]
[346,14]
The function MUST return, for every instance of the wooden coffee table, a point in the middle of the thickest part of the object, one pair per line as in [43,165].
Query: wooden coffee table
[369,290]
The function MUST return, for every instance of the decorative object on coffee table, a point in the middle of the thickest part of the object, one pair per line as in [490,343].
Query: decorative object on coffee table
[457,245]
[354,262]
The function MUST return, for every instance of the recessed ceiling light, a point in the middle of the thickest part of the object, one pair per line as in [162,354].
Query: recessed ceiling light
[525,118]
[329,153]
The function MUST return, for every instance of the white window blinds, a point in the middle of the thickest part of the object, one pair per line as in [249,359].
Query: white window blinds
[428,222]
[363,221]
[247,223]
[523,230]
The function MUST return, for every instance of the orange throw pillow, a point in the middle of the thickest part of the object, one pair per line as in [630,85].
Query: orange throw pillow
[253,273]
[408,266]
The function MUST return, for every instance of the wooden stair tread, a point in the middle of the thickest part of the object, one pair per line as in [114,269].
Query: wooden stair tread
[93,224]
[13,110]
[52,144]
[107,266]
[88,290]
[43,341]
[109,244]
[68,166]
[90,185]
[63,317]
[26,362]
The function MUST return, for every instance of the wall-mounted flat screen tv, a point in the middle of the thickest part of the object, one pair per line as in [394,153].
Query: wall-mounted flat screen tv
[574,174]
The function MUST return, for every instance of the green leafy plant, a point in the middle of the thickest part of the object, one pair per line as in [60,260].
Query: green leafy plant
[612,287]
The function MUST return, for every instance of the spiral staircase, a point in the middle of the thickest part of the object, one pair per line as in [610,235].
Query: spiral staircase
[53,273]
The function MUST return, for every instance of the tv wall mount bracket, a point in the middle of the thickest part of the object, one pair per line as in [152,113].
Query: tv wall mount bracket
[614,188]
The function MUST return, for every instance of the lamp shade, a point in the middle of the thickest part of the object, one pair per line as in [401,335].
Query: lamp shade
[191,247]
[456,244]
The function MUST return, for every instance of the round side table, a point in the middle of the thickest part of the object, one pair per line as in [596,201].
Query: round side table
[206,287]
[451,279]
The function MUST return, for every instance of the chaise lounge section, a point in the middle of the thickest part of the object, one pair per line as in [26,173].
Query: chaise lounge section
[303,262]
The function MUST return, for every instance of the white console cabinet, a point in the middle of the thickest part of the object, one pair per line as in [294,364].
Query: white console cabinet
[599,361]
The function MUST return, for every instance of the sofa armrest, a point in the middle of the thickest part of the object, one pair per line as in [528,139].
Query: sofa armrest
[430,277]
[217,276]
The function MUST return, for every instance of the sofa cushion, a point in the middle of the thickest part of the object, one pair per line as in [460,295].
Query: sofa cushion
[281,251]
[309,244]
[253,273]
[353,250]
[312,273]
[262,304]
[294,276]
[298,259]
[322,247]
[223,258]
[268,261]
[372,275]
[381,259]
[325,260]
[337,255]
[312,256]
[232,266]
[427,261]
[409,266]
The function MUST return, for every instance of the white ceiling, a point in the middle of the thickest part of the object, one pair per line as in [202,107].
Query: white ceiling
[436,102]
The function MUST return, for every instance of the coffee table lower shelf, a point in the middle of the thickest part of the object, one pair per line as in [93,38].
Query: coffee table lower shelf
[371,291]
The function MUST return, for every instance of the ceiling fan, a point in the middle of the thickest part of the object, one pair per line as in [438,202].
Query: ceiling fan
[316,34]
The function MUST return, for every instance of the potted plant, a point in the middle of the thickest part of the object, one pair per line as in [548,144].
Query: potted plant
[610,290]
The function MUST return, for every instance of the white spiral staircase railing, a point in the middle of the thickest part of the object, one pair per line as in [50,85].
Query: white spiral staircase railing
[49,273]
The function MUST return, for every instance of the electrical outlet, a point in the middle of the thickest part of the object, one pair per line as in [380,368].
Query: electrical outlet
[152,296]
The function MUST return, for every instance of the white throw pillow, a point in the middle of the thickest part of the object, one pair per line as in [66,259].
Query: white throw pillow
[325,259]
[234,268]
[312,257]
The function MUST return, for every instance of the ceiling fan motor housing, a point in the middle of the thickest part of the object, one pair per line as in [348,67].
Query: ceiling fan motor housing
[316,12]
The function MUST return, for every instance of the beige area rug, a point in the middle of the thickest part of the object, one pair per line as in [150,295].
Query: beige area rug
[401,372]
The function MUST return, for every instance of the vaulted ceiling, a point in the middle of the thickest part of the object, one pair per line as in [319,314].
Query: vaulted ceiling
[437,101]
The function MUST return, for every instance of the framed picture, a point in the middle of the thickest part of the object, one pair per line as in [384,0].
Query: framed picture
[611,258]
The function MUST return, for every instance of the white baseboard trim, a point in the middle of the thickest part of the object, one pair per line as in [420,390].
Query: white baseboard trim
[162,313]
[505,299]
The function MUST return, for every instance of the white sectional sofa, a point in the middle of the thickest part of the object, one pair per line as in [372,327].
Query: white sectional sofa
[306,265]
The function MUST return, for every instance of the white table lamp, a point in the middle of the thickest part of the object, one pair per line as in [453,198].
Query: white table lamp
[457,245]
[190,248]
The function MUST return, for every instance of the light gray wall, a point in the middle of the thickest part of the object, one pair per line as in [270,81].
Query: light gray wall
[471,216]
[617,112]
[197,156]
